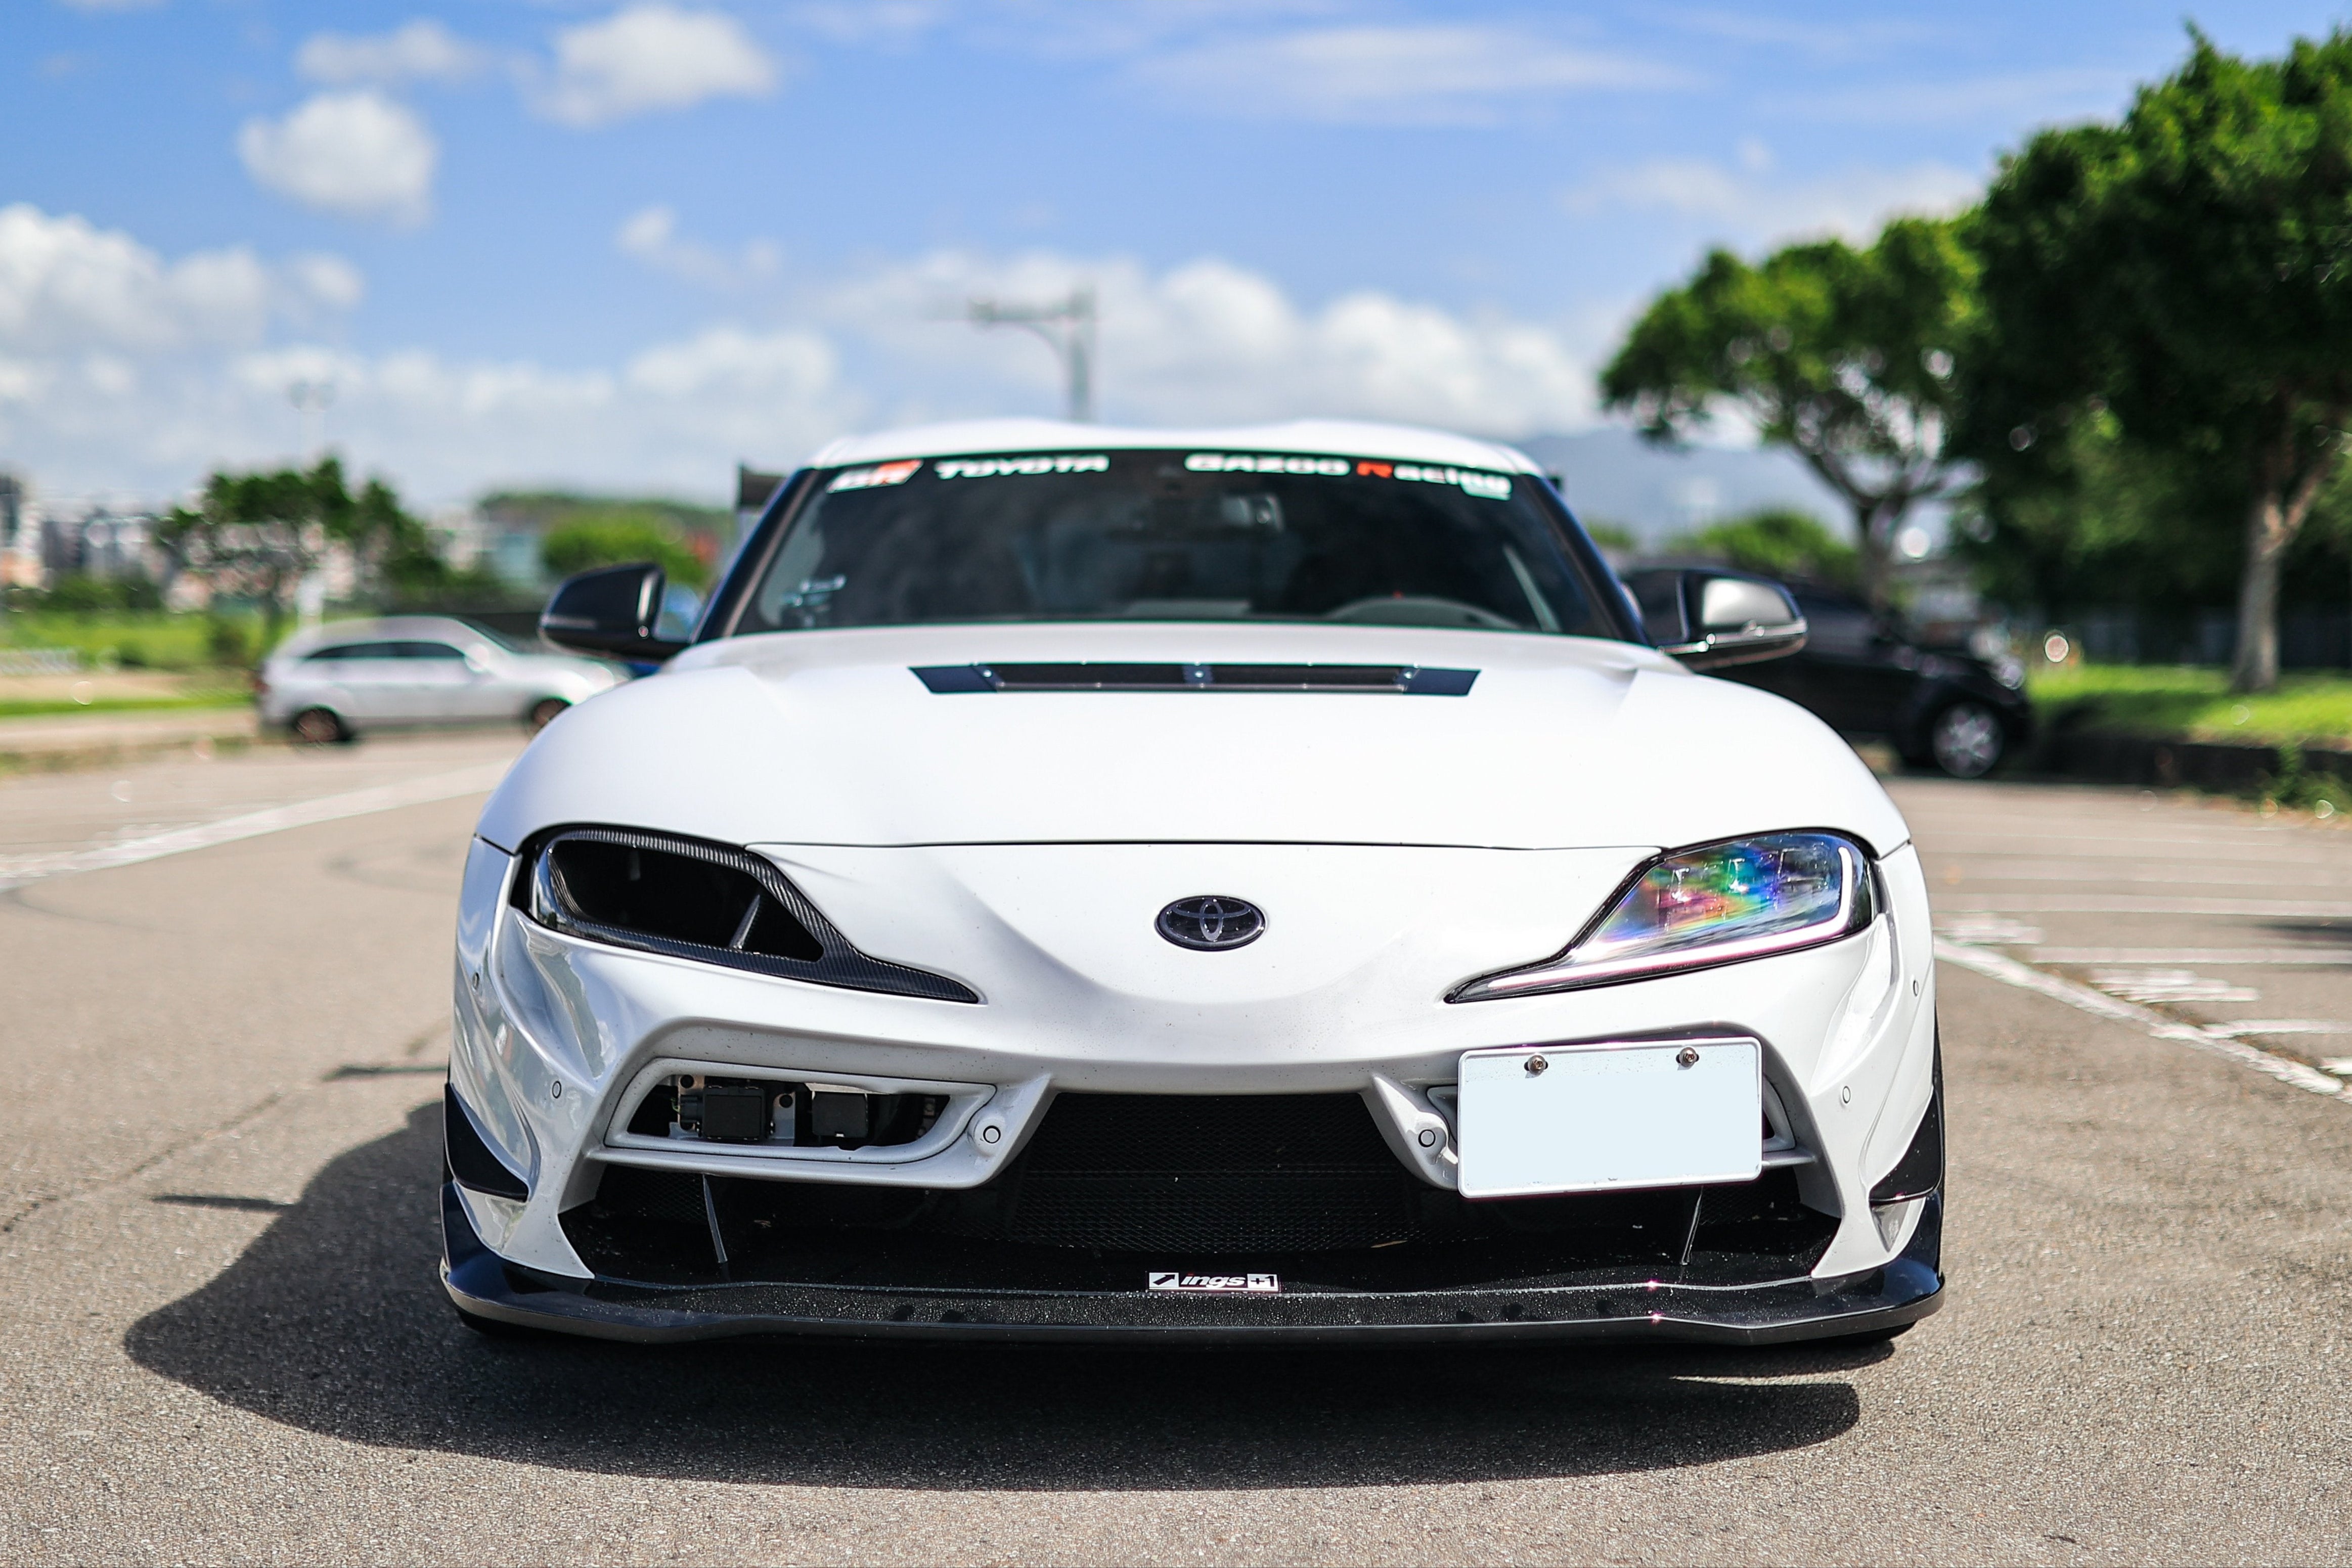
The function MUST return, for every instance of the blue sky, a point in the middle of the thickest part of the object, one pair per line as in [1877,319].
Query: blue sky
[623,244]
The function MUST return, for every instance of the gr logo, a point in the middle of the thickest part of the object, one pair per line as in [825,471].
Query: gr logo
[1213,1284]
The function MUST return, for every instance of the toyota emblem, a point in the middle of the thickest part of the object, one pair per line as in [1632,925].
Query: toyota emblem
[1212,923]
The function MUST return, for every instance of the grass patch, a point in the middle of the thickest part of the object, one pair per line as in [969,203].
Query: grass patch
[145,638]
[2194,704]
[135,639]
[44,707]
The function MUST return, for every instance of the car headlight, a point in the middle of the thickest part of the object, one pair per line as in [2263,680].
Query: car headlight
[684,899]
[1715,904]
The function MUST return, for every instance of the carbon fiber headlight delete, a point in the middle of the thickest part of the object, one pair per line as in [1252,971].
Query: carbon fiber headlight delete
[711,903]
[1708,904]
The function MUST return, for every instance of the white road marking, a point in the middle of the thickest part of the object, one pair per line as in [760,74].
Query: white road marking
[2176,955]
[1998,930]
[2059,904]
[2170,986]
[254,824]
[2216,1039]
[2283,878]
[2279,1026]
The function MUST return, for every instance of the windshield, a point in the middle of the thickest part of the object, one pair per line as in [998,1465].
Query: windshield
[1173,535]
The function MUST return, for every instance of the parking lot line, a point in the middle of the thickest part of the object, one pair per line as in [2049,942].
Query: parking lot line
[2059,904]
[2217,1039]
[2223,955]
[254,824]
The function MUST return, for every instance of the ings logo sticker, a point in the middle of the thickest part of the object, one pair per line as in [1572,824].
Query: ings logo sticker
[1213,1284]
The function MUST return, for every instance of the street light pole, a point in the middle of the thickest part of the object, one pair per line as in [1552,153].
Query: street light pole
[1067,328]
[310,400]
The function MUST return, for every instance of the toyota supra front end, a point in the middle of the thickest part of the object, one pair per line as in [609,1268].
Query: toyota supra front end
[1225,885]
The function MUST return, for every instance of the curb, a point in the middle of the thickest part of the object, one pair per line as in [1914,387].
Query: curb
[53,745]
[2214,765]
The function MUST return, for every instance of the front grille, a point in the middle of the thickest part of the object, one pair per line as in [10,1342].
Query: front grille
[1110,1183]
[1225,1173]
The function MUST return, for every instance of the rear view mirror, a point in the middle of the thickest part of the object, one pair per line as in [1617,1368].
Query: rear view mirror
[613,613]
[1710,619]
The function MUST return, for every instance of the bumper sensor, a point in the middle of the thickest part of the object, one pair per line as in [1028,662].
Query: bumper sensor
[696,1106]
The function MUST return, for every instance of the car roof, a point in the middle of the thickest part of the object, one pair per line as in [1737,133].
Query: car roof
[385,629]
[1340,437]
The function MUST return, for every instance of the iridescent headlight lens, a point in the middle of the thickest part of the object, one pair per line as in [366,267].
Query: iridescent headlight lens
[1716,904]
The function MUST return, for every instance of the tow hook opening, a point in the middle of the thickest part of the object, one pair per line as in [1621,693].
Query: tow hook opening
[701,1107]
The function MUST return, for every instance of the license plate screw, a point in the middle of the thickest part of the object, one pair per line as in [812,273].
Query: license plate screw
[1687,1056]
[1536,1065]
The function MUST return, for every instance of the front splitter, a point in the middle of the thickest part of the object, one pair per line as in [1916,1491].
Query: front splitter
[1774,1312]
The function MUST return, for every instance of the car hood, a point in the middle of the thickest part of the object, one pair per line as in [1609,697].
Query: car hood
[828,737]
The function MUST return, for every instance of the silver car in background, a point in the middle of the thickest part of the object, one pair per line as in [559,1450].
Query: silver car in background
[335,681]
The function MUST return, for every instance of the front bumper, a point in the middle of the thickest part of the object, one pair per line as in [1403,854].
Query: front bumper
[1613,1305]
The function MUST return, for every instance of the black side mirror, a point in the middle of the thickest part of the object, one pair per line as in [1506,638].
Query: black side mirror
[1731,620]
[610,613]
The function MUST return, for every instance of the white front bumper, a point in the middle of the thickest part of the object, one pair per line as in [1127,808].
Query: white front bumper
[556,1039]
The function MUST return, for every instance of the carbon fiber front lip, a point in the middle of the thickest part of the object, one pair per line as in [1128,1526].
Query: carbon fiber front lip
[1905,1290]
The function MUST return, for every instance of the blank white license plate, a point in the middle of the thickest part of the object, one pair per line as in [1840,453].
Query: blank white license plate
[1590,1117]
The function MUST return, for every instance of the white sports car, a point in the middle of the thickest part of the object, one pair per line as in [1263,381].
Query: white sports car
[1224,885]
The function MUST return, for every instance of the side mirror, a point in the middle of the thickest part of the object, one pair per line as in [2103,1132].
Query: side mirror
[1735,621]
[611,612]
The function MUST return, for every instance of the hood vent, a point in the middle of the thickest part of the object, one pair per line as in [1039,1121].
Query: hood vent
[1411,680]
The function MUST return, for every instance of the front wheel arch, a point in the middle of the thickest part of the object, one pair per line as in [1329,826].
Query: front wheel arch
[317,726]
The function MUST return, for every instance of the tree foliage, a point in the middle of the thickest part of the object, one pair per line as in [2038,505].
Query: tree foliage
[258,534]
[1776,542]
[2180,281]
[1846,356]
[620,534]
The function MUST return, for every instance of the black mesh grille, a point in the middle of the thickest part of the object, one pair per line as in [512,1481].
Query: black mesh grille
[1272,1135]
[646,1225]
[1111,1183]
[1136,1172]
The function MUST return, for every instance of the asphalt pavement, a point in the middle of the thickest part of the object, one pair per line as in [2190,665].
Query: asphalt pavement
[220,1337]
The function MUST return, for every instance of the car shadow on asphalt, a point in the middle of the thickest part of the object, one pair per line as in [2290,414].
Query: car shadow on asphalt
[333,1321]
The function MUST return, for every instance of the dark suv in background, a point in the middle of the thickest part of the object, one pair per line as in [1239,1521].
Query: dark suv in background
[1938,707]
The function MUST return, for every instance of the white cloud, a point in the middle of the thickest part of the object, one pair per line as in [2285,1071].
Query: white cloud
[2006,101]
[675,417]
[890,24]
[420,51]
[1745,205]
[357,153]
[329,280]
[651,236]
[1432,74]
[1210,341]
[1843,39]
[651,58]
[120,372]
[68,287]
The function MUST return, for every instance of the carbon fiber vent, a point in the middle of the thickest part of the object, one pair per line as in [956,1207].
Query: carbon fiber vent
[1410,680]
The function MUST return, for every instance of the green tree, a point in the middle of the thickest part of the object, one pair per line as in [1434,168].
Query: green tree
[2086,518]
[613,536]
[260,533]
[1776,542]
[1845,356]
[2188,273]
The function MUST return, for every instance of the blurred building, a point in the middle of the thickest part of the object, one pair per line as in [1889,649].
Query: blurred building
[20,536]
[461,535]
[104,543]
